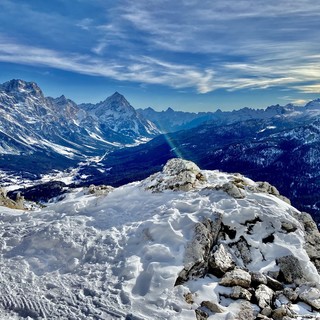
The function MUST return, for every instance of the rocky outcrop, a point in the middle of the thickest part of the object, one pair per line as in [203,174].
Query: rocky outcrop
[99,190]
[236,277]
[312,237]
[197,255]
[266,187]
[176,175]
[5,201]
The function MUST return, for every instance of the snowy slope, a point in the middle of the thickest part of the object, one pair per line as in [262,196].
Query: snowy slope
[118,253]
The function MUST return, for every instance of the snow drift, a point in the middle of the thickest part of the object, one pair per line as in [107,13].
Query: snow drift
[182,244]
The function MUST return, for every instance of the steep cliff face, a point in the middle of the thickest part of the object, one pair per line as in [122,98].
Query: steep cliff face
[184,244]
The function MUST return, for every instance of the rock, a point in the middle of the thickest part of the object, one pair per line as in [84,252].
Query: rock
[291,269]
[266,187]
[246,312]
[242,250]
[188,297]
[267,311]
[232,190]
[236,277]
[100,190]
[258,278]
[281,312]
[312,237]
[262,317]
[291,294]
[212,306]
[288,226]
[7,202]
[201,315]
[198,250]
[177,174]
[240,293]
[273,283]
[264,296]
[280,299]
[221,261]
[310,295]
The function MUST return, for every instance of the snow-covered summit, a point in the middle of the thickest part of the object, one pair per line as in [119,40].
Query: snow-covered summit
[21,86]
[117,113]
[226,247]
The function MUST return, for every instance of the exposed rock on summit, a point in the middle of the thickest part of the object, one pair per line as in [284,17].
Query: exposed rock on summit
[177,174]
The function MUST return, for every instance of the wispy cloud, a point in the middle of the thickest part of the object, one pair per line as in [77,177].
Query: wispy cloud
[204,45]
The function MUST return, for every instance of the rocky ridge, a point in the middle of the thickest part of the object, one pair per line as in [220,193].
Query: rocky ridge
[227,251]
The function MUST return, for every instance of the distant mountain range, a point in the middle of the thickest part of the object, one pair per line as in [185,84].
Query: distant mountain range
[112,143]
[39,133]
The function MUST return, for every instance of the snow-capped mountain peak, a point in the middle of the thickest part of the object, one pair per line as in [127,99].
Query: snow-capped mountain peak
[20,86]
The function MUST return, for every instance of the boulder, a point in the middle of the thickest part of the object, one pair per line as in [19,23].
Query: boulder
[264,296]
[258,278]
[273,283]
[221,261]
[232,190]
[177,174]
[236,277]
[212,306]
[312,237]
[198,250]
[291,269]
[240,293]
[310,295]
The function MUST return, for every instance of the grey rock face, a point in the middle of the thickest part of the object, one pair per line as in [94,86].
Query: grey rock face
[236,277]
[221,260]
[198,251]
[264,296]
[310,295]
[176,175]
[291,269]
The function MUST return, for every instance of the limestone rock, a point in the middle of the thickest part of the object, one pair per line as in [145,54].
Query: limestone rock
[99,190]
[258,278]
[198,250]
[312,238]
[291,294]
[266,187]
[310,295]
[264,296]
[221,261]
[273,283]
[7,202]
[177,174]
[236,277]
[291,269]
[201,315]
[232,190]
[281,312]
[212,306]
[240,293]
[246,312]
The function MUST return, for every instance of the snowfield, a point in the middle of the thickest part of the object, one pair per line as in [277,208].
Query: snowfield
[117,254]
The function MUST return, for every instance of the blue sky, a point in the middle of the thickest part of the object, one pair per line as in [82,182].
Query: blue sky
[186,54]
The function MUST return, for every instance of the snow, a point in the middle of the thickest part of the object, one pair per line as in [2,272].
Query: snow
[118,254]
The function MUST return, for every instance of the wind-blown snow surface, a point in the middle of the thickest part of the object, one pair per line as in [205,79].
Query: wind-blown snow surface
[118,255]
